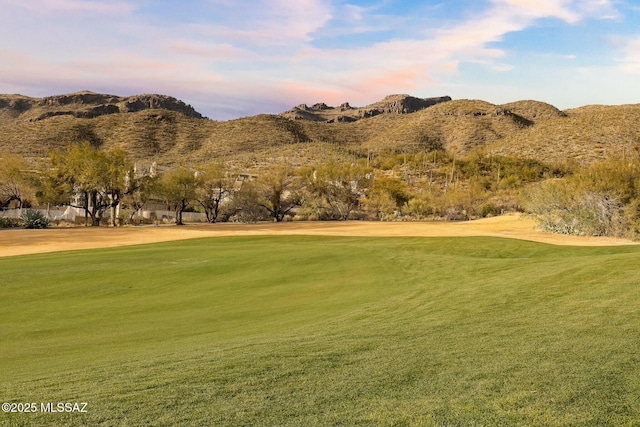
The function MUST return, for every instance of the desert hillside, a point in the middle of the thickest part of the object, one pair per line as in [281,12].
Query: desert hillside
[164,129]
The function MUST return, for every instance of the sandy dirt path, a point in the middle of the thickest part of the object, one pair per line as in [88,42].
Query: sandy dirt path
[22,242]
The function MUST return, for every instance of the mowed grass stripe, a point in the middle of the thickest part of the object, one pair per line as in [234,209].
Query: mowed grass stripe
[159,294]
[325,331]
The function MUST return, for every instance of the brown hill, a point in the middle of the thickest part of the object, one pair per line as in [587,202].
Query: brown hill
[582,134]
[458,126]
[163,129]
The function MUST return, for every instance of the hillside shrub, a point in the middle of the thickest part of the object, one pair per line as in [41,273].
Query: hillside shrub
[394,188]
[600,200]
[380,205]
[561,207]
[489,209]
[10,222]
[418,208]
[34,219]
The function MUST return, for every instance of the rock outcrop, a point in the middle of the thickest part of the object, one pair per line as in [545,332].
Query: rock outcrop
[392,104]
[87,105]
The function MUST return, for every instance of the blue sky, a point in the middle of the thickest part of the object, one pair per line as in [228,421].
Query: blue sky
[238,58]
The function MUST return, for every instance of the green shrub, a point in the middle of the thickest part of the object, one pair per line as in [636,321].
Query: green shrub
[418,208]
[397,190]
[34,219]
[10,222]
[489,209]
[600,200]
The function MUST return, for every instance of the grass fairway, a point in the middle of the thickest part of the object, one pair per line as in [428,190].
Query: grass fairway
[324,331]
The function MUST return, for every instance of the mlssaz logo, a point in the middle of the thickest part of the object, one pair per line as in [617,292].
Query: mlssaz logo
[64,407]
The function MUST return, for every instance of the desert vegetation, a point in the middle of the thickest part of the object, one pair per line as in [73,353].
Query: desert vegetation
[599,198]
[400,159]
[16,183]
[389,185]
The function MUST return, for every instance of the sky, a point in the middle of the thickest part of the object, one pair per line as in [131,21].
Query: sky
[232,58]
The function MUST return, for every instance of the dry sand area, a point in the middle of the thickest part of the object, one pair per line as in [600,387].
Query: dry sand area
[22,242]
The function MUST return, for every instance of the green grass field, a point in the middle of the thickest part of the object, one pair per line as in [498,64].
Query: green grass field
[324,331]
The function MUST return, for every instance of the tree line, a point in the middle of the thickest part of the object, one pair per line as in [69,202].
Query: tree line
[596,199]
[387,185]
[99,181]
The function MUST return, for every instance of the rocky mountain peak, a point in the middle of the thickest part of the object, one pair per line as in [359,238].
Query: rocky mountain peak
[87,104]
[391,104]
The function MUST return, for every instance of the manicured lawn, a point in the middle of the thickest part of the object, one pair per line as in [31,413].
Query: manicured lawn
[324,331]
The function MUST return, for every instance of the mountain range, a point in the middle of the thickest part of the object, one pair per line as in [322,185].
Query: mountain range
[164,129]
[399,104]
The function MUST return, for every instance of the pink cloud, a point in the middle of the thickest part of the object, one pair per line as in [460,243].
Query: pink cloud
[21,70]
[416,64]
[560,9]
[101,7]
[370,88]
[208,50]
[268,22]
[294,93]
[123,70]
[570,11]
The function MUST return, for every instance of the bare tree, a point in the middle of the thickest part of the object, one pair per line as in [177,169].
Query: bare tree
[215,189]
[15,185]
[278,192]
